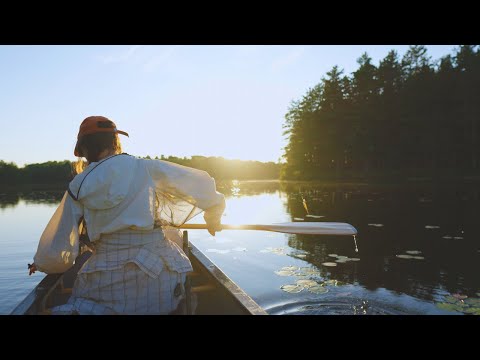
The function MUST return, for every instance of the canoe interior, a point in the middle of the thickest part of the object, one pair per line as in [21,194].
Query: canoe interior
[212,292]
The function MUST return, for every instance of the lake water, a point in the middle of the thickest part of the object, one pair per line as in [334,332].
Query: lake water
[418,247]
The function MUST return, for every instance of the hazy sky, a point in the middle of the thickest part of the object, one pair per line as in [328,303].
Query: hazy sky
[225,101]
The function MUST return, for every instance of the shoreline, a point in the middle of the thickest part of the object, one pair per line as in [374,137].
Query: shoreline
[407,182]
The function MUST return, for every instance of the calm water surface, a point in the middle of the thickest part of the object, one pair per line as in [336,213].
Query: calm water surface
[434,230]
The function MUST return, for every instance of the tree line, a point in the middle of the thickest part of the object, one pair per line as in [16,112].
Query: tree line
[51,172]
[61,172]
[225,169]
[399,118]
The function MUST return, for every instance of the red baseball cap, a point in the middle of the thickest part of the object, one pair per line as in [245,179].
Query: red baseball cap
[96,124]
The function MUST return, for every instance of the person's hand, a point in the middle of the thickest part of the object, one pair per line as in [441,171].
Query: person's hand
[213,228]
[213,224]
[31,269]
[213,218]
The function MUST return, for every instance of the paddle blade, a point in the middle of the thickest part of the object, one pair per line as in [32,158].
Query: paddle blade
[313,228]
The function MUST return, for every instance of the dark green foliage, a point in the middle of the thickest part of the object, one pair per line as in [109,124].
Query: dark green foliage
[52,172]
[224,169]
[49,172]
[60,172]
[401,119]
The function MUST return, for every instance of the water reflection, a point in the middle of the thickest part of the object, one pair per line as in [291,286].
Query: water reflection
[450,264]
[248,188]
[13,197]
[9,200]
[22,221]
[436,223]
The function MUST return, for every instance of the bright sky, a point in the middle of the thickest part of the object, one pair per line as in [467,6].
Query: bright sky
[225,101]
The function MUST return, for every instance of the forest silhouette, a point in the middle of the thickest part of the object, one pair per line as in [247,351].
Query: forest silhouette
[403,118]
[412,118]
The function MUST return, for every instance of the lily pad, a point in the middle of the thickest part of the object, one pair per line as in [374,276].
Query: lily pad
[446,237]
[376,225]
[239,249]
[318,289]
[301,256]
[307,283]
[413,252]
[329,264]
[292,289]
[354,259]
[418,257]
[459,296]
[342,257]
[333,282]
[450,299]
[473,310]
[298,219]
[315,216]
[276,251]
[473,302]
[405,256]
[285,273]
[458,237]
[449,307]
[289,268]
[332,255]
[432,227]
[309,271]
[341,261]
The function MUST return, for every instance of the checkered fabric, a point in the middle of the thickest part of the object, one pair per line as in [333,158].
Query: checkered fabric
[130,272]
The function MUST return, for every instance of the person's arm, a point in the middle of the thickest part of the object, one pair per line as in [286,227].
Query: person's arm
[59,245]
[184,192]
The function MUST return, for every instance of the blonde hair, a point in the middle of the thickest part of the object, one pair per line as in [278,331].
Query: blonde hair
[92,145]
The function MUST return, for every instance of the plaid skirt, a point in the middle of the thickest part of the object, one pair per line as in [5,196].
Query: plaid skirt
[130,272]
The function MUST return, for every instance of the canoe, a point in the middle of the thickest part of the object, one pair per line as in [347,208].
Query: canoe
[209,290]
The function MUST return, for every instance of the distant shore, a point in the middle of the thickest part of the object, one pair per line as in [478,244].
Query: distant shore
[340,183]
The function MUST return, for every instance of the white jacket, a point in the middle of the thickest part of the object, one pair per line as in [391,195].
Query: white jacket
[124,192]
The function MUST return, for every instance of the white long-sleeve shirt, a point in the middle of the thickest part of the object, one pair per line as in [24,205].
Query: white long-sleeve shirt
[124,192]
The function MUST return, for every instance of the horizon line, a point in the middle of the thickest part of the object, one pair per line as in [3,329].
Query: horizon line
[150,156]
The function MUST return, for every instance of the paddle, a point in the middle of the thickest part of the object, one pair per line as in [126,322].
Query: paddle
[312,228]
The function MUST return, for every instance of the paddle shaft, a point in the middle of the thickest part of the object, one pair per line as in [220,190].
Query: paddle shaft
[225,227]
[312,228]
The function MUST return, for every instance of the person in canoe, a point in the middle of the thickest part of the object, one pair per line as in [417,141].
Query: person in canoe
[126,205]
